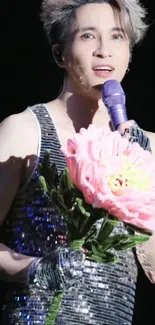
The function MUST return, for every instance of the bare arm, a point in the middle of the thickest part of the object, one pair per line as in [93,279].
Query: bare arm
[15,147]
[13,266]
[146,252]
[18,144]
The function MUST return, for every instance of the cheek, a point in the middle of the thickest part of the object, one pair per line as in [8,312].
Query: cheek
[126,53]
[78,64]
[124,58]
[75,66]
[78,56]
[72,60]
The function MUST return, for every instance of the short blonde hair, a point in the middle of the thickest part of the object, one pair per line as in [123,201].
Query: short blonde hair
[58,15]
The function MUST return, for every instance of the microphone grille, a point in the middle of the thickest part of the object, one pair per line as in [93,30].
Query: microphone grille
[113,93]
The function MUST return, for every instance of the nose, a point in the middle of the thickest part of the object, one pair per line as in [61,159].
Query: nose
[102,50]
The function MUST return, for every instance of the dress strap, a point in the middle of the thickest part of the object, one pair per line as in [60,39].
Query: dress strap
[49,136]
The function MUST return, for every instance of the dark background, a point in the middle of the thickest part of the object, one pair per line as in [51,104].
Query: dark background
[28,76]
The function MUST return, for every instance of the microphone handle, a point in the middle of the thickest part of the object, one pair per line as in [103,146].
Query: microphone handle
[117,115]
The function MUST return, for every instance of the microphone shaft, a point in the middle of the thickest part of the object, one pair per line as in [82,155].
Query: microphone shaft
[118,115]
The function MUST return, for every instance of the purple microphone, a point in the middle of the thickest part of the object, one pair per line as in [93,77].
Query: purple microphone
[114,99]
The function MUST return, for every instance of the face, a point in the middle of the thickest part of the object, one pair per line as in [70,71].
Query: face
[97,50]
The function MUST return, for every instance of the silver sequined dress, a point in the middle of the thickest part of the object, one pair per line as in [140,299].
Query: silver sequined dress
[105,295]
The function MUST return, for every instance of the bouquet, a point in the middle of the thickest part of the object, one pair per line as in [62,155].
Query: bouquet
[108,181]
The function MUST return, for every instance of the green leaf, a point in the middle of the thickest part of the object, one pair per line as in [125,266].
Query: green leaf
[65,183]
[118,242]
[97,253]
[110,257]
[107,244]
[91,233]
[84,219]
[95,215]
[128,241]
[112,242]
[95,250]
[139,238]
[45,161]
[43,184]
[48,171]
[132,229]
[99,249]
[73,232]
[113,223]
[59,202]
[125,246]
[106,258]
[105,230]
[52,176]
[76,244]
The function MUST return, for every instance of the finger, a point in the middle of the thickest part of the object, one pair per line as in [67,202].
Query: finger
[124,127]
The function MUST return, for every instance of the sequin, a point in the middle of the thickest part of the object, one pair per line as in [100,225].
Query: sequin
[106,293]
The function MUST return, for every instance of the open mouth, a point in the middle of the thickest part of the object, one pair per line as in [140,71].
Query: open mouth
[104,68]
[103,72]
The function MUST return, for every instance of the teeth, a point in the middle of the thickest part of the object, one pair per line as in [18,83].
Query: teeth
[104,68]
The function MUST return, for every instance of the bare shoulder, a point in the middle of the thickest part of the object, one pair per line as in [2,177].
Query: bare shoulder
[18,135]
[18,148]
[151,136]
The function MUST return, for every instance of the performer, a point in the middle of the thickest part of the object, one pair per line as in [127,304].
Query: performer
[92,41]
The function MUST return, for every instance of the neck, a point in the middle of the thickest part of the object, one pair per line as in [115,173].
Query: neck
[81,109]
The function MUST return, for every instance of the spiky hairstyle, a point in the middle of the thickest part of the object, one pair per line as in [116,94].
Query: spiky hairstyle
[58,15]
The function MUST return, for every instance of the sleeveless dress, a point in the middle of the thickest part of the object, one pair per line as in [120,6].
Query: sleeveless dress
[106,293]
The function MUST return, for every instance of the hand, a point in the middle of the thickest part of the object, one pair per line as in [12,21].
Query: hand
[134,133]
[124,127]
[57,271]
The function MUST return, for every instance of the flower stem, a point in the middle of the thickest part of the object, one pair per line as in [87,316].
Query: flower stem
[56,303]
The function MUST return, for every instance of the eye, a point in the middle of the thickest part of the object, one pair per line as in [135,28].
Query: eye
[117,36]
[87,36]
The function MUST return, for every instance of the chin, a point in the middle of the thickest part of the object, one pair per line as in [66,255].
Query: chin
[98,88]
[96,92]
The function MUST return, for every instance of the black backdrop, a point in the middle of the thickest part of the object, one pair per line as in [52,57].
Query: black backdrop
[28,76]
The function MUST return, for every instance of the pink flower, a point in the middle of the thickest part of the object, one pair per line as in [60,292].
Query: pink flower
[114,175]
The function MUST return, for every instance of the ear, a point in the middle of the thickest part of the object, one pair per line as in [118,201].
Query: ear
[58,55]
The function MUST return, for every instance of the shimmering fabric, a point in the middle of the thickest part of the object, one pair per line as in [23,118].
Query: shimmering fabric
[105,295]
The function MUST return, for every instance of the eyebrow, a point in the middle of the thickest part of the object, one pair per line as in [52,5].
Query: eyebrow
[114,29]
